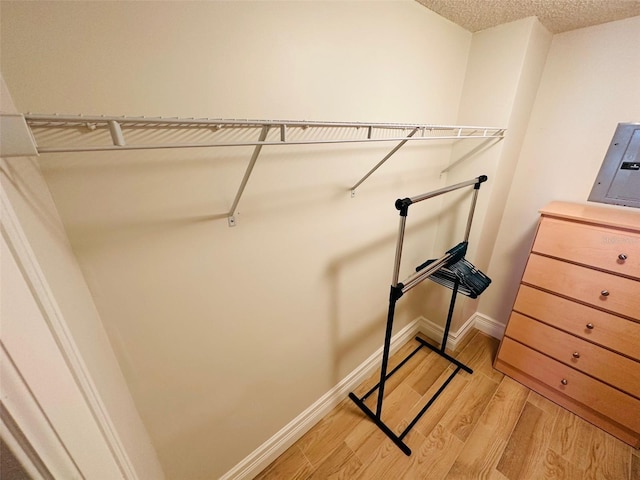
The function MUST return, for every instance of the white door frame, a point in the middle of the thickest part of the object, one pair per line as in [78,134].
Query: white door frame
[52,416]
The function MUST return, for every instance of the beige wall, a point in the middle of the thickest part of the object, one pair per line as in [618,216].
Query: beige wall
[24,187]
[226,334]
[589,85]
[501,81]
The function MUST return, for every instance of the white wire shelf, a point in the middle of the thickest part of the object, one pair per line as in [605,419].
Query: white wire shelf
[89,133]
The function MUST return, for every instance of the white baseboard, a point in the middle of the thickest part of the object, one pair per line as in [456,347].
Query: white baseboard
[290,433]
[435,332]
[488,325]
[294,430]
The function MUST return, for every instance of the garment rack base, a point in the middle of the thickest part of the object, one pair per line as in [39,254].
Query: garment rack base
[398,438]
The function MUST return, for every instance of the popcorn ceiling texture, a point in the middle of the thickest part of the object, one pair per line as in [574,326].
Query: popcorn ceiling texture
[556,15]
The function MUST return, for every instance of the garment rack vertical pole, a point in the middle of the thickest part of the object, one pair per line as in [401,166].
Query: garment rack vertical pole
[428,269]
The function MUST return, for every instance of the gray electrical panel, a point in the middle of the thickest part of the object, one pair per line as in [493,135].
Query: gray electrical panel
[618,181]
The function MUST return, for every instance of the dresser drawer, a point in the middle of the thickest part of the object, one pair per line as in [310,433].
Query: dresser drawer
[591,359]
[617,406]
[616,251]
[599,327]
[585,285]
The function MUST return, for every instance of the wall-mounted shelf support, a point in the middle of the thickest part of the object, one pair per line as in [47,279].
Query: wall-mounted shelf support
[381,162]
[206,132]
[254,157]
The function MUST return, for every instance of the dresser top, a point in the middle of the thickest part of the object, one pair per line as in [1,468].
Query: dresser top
[611,216]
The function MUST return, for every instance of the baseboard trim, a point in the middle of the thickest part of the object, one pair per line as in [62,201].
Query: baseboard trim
[290,433]
[259,459]
[488,325]
[435,332]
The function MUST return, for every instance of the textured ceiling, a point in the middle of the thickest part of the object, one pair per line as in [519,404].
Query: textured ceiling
[557,15]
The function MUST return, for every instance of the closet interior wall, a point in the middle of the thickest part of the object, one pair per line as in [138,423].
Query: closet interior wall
[211,324]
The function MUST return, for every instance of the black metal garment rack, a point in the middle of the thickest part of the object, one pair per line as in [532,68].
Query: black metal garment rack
[451,270]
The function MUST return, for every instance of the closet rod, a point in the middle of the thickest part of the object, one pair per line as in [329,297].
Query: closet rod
[123,147]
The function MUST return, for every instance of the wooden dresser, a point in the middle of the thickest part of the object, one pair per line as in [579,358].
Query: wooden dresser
[574,332]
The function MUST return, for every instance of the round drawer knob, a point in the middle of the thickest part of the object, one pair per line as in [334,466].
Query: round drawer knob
[622,257]
[564,381]
[590,326]
[576,354]
[604,293]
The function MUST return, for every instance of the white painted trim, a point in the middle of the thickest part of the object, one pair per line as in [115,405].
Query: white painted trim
[435,332]
[290,433]
[35,278]
[488,325]
[17,398]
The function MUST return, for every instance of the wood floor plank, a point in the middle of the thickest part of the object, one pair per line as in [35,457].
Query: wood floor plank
[635,467]
[330,432]
[366,438]
[479,355]
[397,463]
[516,456]
[529,440]
[431,458]
[609,459]
[292,464]
[427,372]
[543,403]
[554,467]
[505,407]
[485,446]
[441,406]
[571,438]
[478,458]
[434,457]
[462,344]
[476,429]
[466,409]
[386,459]
[342,464]
[395,408]
[397,378]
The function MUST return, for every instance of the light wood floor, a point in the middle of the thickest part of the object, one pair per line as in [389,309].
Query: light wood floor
[483,426]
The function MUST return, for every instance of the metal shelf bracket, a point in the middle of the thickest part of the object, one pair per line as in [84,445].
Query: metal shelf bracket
[247,175]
